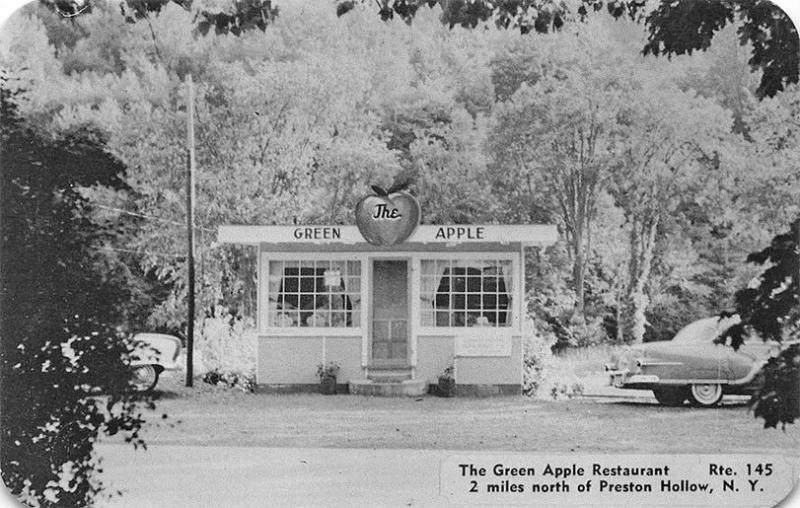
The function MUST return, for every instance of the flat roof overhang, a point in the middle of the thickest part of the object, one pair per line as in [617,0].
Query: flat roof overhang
[446,234]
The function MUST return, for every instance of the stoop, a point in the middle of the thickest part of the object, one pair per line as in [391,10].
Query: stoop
[389,381]
[405,388]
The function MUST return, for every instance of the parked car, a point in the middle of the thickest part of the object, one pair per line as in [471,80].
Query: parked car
[155,353]
[692,365]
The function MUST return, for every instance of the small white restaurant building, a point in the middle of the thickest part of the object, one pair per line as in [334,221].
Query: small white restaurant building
[451,295]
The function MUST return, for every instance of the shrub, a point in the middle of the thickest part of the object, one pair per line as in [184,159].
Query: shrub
[245,383]
[565,388]
[668,313]
[227,347]
[59,285]
[543,376]
[590,333]
[536,347]
[327,370]
[446,384]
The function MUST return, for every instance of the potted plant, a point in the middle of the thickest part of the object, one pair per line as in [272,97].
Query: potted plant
[447,382]
[327,377]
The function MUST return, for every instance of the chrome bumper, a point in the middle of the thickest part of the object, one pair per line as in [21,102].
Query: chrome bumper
[622,378]
[616,378]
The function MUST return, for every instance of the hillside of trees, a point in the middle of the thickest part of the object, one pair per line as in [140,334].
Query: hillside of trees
[661,174]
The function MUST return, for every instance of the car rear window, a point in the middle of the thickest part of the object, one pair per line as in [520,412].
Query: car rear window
[704,330]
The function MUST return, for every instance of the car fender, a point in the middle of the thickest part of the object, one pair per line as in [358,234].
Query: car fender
[157,349]
[754,371]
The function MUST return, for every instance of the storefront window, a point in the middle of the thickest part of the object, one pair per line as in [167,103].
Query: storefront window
[462,293]
[314,293]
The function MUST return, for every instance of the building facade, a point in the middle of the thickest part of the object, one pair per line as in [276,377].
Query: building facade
[448,296]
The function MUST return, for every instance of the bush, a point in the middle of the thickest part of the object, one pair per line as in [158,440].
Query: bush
[246,383]
[227,347]
[535,348]
[568,331]
[667,314]
[59,286]
[327,370]
[543,376]
[590,333]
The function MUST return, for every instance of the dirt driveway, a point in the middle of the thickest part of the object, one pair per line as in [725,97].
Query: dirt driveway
[206,415]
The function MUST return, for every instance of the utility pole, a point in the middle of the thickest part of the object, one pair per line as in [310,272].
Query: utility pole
[190,232]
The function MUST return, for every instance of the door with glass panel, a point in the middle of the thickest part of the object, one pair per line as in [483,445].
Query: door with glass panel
[390,313]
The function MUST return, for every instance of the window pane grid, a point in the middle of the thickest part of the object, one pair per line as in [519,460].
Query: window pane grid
[314,293]
[465,293]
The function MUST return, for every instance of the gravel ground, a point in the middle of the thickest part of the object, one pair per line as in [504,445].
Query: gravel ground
[210,415]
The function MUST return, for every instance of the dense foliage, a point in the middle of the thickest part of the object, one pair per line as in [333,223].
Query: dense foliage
[240,16]
[675,27]
[778,401]
[682,27]
[60,287]
[770,307]
[658,205]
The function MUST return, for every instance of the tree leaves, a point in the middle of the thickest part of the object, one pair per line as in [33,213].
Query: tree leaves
[541,16]
[776,46]
[246,15]
[778,400]
[682,27]
[772,306]
[675,27]
[59,289]
[240,17]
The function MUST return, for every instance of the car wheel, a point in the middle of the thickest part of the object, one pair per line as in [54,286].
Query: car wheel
[706,394]
[145,378]
[671,396]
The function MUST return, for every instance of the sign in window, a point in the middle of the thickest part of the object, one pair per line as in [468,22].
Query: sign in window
[314,293]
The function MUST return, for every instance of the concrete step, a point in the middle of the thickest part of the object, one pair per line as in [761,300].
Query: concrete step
[388,377]
[407,388]
[389,374]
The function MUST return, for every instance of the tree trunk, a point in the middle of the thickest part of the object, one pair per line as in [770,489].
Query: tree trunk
[619,314]
[578,273]
[576,220]
[642,243]
[635,306]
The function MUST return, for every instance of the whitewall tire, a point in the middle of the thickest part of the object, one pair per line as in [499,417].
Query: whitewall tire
[706,394]
[145,378]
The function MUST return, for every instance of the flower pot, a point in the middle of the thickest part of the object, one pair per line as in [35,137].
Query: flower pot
[327,385]
[447,387]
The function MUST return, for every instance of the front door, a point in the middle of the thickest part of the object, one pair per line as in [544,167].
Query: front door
[390,312]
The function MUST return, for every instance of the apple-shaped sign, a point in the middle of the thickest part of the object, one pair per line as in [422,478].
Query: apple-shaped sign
[387,218]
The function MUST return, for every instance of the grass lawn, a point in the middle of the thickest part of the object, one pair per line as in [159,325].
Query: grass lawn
[210,415]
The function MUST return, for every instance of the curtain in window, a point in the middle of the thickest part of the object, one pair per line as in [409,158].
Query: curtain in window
[465,293]
[314,293]
[429,280]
